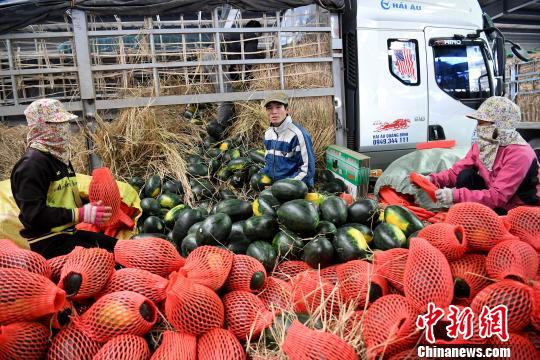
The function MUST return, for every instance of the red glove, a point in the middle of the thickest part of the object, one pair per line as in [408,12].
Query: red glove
[94,213]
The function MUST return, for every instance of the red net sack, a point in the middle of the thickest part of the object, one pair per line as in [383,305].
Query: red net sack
[330,274]
[409,354]
[192,308]
[483,227]
[124,347]
[152,254]
[359,284]
[390,326]
[512,259]
[353,325]
[220,344]
[535,312]
[71,343]
[140,281]
[176,346]
[24,340]
[277,294]
[520,346]
[310,292]
[449,239]
[440,331]
[25,296]
[302,343]
[16,258]
[56,264]
[119,313]
[104,188]
[525,223]
[247,274]
[289,269]
[6,244]
[60,318]
[390,264]
[516,296]
[86,272]
[427,276]
[470,276]
[245,314]
[534,338]
[209,266]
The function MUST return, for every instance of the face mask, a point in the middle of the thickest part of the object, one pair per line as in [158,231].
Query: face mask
[486,132]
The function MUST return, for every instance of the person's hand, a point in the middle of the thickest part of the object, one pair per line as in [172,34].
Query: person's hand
[445,196]
[424,176]
[95,213]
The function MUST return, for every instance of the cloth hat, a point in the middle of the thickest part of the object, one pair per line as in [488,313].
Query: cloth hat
[278,96]
[47,111]
[499,110]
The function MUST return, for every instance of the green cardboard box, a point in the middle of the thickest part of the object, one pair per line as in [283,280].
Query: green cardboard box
[351,167]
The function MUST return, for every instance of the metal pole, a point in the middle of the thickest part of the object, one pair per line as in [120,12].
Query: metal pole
[155,76]
[12,67]
[218,51]
[86,83]
[280,53]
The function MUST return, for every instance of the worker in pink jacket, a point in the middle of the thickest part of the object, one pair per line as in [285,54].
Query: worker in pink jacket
[500,170]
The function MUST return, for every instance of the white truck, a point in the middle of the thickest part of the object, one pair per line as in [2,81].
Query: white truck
[413,70]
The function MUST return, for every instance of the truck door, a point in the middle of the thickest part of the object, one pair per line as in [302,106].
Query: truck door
[393,101]
[459,79]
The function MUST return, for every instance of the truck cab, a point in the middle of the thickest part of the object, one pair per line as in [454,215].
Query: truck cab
[412,71]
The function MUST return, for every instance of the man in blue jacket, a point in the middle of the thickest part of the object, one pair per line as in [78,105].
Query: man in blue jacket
[289,149]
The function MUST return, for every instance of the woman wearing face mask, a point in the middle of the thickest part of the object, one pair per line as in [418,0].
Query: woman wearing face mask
[500,170]
[44,186]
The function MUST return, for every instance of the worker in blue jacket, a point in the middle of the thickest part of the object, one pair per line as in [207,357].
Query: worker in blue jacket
[289,149]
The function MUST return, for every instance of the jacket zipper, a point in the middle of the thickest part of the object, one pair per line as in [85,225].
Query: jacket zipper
[274,156]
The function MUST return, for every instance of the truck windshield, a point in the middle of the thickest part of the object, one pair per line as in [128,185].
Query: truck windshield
[461,71]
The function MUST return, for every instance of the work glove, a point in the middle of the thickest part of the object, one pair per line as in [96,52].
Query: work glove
[445,196]
[94,213]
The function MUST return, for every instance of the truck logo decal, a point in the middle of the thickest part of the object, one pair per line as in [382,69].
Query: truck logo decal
[398,124]
[400,5]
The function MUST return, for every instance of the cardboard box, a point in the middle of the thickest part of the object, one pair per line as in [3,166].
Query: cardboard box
[351,167]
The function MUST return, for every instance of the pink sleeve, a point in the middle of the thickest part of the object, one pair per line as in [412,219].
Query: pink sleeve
[504,186]
[447,178]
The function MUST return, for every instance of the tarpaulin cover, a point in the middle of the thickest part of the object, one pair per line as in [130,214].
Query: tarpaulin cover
[422,162]
[15,14]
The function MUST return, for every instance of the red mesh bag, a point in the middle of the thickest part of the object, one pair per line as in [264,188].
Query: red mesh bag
[525,223]
[390,264]
[277,294]
[16,258]
[520,346]
[119,313]
[302,343]
[330,274]
[104,188]
[424,184]
[409,354]
[60,318]
[192,308]
[359,284]
[535,313]
[176,346]
[86,272]
[6,244]
[512,259]
[220,344]
[244,269]
[516,296]
[24,340]
[289,269]
[441,332]
[209,266]
[25,296]
[449,239]
[427,276]
[390,326]
[71,343]
[56,264]
[310,292]
[483,227]
[152,254]
[140,281]
[353,325]
[534,338]
[124,347]
[245,314]
[470,277]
